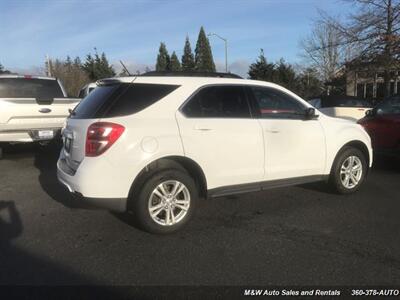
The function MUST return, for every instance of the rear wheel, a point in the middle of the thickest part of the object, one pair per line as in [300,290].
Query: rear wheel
[349,170]
[166,202]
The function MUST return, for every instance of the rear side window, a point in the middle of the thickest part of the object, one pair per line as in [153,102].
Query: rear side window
[120,100]
[82,93]
[89,107]
[218,102]
[137,97]
[40,89]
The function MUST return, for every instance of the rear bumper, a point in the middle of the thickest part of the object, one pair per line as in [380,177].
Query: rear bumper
[113,204]
[26,136]
[86,190]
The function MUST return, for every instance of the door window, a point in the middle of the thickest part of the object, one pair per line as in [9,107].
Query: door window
[273,103]
[218,102]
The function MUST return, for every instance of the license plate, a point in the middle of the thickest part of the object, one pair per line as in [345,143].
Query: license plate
[45,134]
[67,144]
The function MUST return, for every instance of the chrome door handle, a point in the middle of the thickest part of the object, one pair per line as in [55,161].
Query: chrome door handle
[272,130]
[202,128]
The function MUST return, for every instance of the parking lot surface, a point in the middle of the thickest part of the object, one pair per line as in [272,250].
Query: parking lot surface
[290,236]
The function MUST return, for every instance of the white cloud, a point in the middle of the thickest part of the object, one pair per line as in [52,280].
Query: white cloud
[132,66]
[239,67]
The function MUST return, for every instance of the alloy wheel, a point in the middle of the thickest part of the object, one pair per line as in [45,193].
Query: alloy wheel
[169,203]
[351,172]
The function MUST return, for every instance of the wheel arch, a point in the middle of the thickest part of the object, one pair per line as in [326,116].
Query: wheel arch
[169,162]
[358,145]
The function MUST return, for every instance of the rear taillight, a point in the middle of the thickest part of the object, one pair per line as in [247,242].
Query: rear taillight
[101,136]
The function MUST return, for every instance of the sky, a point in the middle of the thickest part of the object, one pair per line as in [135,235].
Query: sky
[131,30]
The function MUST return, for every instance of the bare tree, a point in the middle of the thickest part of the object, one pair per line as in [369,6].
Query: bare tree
[323,51]
[374,32]
[70,73]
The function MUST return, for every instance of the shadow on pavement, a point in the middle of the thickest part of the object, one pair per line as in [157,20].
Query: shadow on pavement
[46,162]
[26,276]
[13,228]
[20,267]
[386,163]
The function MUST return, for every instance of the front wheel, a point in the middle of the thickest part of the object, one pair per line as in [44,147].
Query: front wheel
[349,171]
[166,202]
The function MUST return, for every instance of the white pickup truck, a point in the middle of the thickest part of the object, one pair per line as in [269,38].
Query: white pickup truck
[32,108]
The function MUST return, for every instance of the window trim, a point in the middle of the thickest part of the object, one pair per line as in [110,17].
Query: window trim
[257,109]
[198,90]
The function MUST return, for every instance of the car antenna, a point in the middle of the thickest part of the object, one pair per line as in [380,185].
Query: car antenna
[126,70]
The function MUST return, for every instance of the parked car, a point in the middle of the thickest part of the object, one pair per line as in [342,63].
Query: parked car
[346,107]
[383,125]
[156,145]
[86,89]
[32,108]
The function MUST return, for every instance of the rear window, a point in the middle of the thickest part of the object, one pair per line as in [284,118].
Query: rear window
[41,89]
[120,100]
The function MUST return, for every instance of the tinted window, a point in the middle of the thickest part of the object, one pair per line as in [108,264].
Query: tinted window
[90,106]
[315,102]
[344,102]
[389,106]
[218,102]
[137,97]
[273,103]
[30,88]
[120,100]
[81,93]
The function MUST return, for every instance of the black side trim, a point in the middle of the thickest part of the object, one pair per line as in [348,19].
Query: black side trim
[112,204]
[263,185]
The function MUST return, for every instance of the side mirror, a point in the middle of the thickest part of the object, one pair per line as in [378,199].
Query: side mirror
[310,114]
[370,113]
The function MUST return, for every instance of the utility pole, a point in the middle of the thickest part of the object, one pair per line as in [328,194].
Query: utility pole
[48,65]
[226,49]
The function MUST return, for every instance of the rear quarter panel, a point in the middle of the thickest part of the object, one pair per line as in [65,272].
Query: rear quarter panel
[149,135]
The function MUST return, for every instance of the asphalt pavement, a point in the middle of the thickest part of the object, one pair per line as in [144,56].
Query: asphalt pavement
[289,236]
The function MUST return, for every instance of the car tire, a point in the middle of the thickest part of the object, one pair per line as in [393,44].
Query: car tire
[181,205]
[345,177]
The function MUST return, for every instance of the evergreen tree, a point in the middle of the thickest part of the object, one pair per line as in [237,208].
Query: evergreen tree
[174,64]
[98,67]
[3,71]
[89,67]
[163,59]
[203,56]
[285,75]
[77,62]
[187,57]
[261,69]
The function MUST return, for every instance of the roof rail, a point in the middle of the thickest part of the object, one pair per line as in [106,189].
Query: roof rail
[191,74]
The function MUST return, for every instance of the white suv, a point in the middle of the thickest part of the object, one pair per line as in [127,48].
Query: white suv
[155,145]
